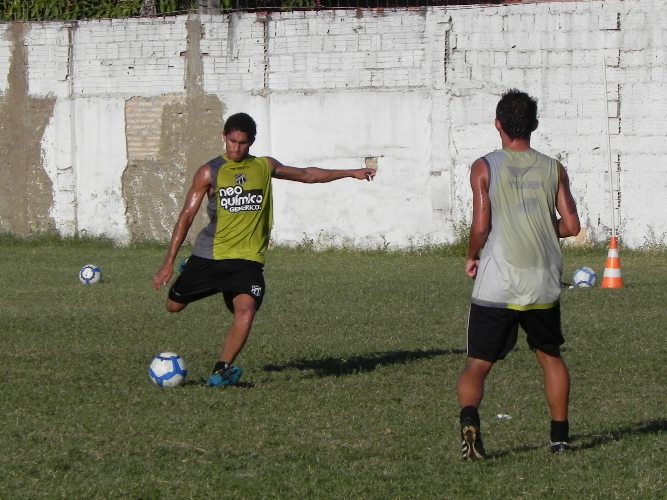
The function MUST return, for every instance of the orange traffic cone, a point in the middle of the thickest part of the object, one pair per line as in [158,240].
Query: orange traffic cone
[612,269]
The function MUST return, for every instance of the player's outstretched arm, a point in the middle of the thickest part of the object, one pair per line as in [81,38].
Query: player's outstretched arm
[193,199]
[313,175]
[568,224]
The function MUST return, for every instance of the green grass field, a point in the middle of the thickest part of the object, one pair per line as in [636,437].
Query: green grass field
[348,390]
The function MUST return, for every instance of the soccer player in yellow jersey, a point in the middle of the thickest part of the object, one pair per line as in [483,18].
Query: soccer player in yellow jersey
[522,205]
[229,253]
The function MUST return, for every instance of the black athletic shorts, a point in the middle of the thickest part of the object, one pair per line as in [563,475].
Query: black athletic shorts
[205,277]
[493,331]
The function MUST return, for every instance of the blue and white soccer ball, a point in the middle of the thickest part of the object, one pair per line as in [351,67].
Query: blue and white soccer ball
[90,274]
[584,277]
[167,370]
[181,265]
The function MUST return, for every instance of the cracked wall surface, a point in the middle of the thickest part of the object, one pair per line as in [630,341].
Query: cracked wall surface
[168,139]
[133,107]
[25,190]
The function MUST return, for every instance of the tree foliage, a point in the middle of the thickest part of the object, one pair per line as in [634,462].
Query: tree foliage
[69,10]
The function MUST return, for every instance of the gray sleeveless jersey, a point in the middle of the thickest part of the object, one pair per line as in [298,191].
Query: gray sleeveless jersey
[521,262]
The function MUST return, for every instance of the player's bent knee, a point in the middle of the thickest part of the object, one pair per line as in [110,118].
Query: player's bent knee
[174,307]
[245,307]
[244,314]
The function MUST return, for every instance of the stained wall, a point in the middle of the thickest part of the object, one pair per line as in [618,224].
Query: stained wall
[104,122]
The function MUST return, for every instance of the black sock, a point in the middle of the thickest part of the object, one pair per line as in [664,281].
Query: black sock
[220,366]
[560,431]
[471,413]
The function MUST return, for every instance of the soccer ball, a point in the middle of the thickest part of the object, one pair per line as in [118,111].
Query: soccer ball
[584,277]
[167,370]
[90,274]
[181,265]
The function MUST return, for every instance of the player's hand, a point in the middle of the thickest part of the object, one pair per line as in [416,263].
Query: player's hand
[471,267]
[365,174]
[162,277]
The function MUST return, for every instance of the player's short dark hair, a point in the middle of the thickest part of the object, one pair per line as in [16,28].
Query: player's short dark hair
[517,114]
[242,122]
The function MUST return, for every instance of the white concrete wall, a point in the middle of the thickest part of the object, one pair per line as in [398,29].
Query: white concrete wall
[416,89]
[5,56]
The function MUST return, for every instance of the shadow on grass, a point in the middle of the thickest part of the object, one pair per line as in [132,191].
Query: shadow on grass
[593,440]
[588,441]
[335,367]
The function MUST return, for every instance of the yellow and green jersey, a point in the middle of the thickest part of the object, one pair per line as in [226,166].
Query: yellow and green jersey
[521,263]
[239,209]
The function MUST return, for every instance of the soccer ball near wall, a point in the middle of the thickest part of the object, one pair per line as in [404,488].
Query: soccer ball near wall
[584,277]
[167,370]
[90,274]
